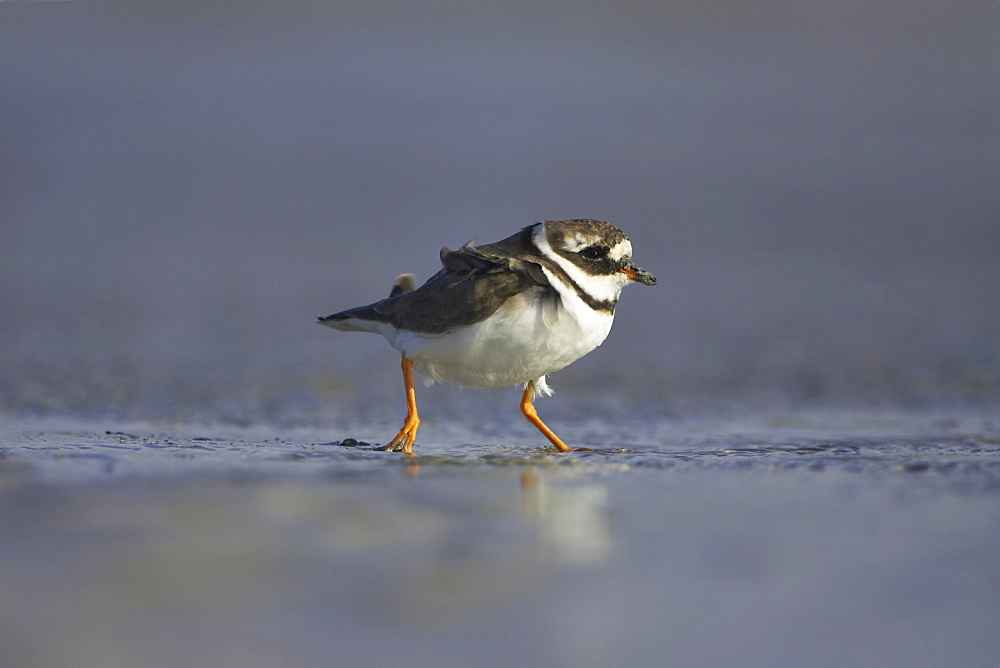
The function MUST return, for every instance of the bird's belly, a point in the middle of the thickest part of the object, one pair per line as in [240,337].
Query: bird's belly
[526,339]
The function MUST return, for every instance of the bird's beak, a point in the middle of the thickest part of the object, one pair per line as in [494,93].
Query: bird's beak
[639,275]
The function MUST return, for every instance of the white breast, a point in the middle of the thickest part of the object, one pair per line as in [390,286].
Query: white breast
[530,336]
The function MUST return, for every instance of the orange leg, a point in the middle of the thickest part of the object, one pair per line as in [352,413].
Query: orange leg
[529,411]
[403,442]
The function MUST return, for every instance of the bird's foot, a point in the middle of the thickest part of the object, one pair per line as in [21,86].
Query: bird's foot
[555,450]
[393,446]
[403,441]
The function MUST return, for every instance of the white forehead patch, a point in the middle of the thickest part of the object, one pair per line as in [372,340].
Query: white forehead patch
[620,250]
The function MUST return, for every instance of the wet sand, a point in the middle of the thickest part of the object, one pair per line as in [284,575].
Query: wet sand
[793,539]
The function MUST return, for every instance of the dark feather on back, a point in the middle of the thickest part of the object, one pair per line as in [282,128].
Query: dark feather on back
[474,283]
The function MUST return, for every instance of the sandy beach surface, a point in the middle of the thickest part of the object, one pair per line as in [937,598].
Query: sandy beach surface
[819,539]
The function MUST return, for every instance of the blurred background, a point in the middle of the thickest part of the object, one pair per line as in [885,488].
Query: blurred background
[185,186]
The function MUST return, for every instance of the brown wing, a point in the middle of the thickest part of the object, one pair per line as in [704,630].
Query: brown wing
[470,288]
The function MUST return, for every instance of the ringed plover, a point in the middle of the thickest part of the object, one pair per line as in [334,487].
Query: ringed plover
[504,313]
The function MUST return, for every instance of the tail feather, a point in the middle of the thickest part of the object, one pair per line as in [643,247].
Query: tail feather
[352,320]
[361,319]
[346,322]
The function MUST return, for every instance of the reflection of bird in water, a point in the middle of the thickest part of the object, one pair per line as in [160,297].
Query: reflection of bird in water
[572,519]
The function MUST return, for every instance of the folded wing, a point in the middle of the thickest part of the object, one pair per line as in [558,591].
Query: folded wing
[473,284]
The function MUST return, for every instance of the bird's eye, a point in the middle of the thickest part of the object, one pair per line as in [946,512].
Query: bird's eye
[595,252]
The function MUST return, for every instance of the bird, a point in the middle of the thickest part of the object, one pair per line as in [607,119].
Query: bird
[506,313]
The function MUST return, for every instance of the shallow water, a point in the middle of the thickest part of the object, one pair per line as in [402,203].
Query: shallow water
[787,539]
